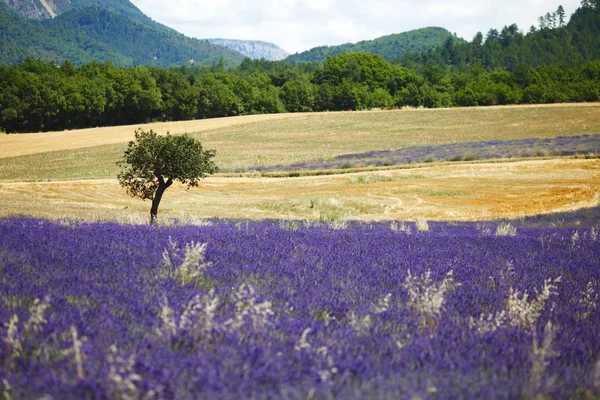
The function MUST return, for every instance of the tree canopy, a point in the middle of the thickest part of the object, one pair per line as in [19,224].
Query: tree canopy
[389,47]
[152,163]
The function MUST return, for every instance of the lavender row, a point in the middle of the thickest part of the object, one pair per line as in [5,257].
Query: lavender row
[559,146]
[271,310]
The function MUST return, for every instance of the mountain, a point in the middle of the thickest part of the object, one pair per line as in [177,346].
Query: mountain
[254,49]
[124,36]
[389,47]
[45,9]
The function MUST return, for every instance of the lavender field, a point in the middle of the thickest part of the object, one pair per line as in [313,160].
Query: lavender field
[464,151]
[294,310]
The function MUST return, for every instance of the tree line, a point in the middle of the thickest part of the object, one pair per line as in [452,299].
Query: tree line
[44,96]
[507,68]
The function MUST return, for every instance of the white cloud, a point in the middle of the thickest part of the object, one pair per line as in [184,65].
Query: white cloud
[319,5]
[298,25]
[341,28]
[457,10]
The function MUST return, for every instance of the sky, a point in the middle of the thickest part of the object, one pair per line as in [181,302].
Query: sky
[299,25]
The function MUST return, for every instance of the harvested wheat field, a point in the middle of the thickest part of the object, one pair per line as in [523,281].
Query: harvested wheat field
[458,192]
[250,141]
[32,143]
[71,174]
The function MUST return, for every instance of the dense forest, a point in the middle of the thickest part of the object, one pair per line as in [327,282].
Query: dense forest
[390,47]
[552,42]
[34,9]
[41,96]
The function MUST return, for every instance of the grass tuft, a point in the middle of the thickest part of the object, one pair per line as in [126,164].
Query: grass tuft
[506,229]
[426,297]
[192,263]
[422,225]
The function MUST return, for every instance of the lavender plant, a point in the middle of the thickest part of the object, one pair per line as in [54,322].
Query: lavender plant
[587,145]
[297,313]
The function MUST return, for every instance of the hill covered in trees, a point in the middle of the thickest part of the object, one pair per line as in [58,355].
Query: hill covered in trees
[552,42]
[40,96]
[97,34]
[390,47]
[37,9]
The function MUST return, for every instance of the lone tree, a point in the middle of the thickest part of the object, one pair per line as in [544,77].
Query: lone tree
[152,163]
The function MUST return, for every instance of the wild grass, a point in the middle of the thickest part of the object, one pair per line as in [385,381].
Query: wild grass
[327,135]
[525,312]
[422,225]
[426,297]
[506,229]
[329,209]
[541,354]
[186,265]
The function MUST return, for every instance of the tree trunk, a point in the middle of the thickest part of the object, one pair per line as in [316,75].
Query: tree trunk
[162,186]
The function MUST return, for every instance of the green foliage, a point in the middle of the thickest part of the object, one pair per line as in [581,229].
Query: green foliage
[152,163]
[367,69]
[356,81]
[217,99]
[390,47]
[152,158]
[552,43]
[122,7]
[39,96]
[298,95]
[35,10]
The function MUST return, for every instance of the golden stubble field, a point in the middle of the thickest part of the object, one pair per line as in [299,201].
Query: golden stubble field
[249,141]
[50,184]
[25,144]
[457,192]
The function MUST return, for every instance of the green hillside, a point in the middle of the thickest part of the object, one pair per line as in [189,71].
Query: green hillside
[96,34]
[34,9]
[553,42]
[123,7]
[389,47]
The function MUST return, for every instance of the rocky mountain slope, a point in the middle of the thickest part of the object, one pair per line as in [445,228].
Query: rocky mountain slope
[254,49]
[45,9]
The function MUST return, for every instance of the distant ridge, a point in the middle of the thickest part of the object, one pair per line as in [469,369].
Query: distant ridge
[254,49]
[389,47]
[117,32]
